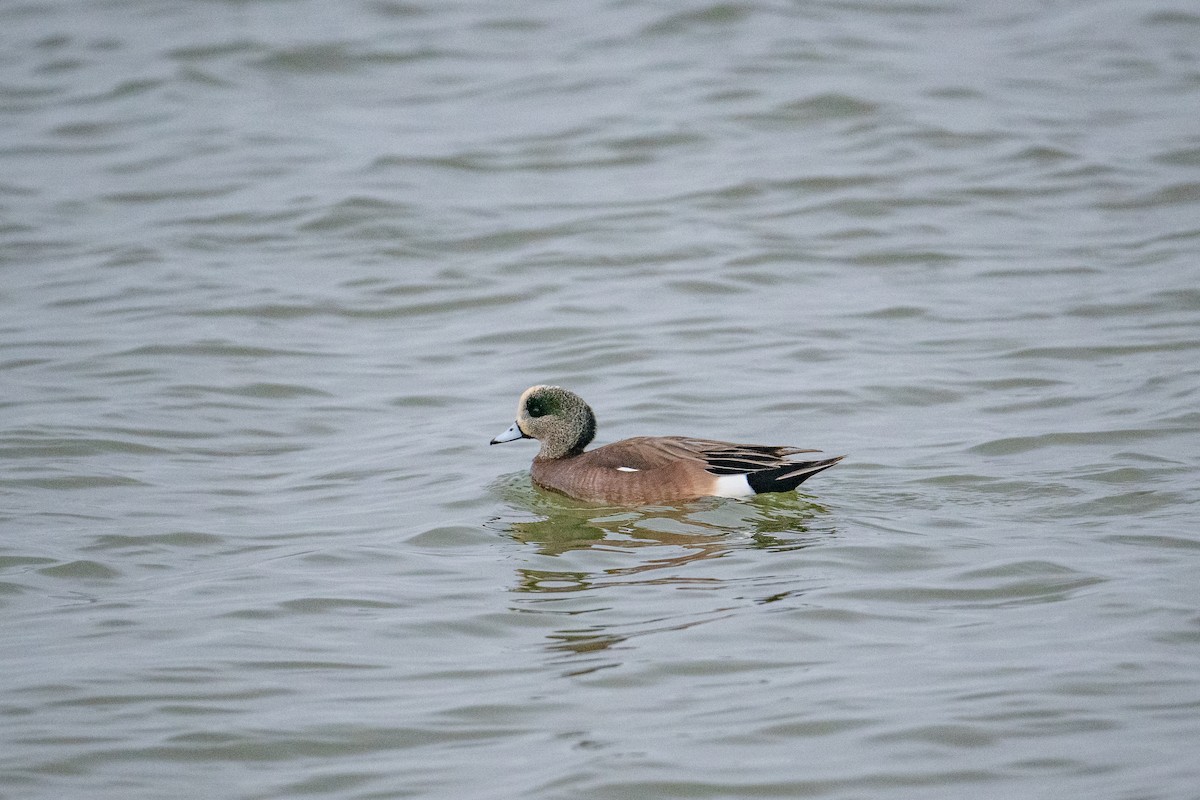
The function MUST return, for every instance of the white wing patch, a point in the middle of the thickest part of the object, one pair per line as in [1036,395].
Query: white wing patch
[627,469]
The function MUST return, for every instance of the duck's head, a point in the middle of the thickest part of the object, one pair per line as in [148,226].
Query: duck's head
[557,418]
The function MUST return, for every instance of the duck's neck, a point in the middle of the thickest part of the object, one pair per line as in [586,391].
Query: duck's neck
[552,450]
[580,421]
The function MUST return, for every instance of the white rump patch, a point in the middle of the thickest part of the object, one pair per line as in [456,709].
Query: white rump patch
[631,469]
[733,486]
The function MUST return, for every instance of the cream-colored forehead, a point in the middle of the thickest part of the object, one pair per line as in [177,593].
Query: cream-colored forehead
[532,390]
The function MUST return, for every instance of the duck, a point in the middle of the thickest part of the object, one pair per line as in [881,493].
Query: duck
[645,470]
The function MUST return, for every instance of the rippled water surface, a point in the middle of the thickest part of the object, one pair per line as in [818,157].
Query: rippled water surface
[273,274]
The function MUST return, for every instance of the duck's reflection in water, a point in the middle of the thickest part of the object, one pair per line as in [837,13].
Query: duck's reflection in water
[585,552]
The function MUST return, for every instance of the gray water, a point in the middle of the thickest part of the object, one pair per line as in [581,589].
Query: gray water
[273,273]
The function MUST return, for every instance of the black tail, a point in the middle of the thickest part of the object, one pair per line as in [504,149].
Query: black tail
[789,476]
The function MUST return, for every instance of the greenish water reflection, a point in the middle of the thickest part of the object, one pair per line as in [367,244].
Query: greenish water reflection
[701,529]
[579,551]
[691,531]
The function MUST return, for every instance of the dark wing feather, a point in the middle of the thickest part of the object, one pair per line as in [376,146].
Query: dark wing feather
[718,458]
[727,458]
[786,478]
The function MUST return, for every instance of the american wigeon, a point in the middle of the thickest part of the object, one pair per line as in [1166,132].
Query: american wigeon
[645,469]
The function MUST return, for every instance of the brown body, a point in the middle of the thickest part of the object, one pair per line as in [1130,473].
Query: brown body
[667,470]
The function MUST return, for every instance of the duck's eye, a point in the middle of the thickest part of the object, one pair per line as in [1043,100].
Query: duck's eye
[535,408]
